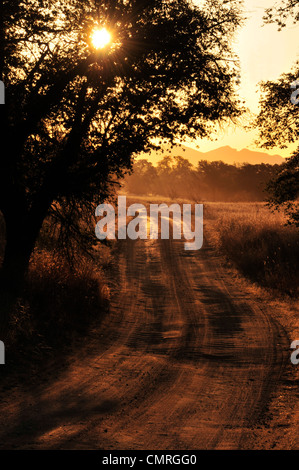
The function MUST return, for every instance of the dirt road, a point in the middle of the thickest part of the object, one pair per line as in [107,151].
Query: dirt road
[184,360]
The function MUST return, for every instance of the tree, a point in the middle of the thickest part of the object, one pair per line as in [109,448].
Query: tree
[277,120]
[142,179]
[284,189]
[278,124]
[75,116]
[281,13]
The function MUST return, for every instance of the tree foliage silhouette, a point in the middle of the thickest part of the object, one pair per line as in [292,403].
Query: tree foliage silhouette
[278,117]
[278,124]
[75,116]
[284,189]
[208,181]
[281,13]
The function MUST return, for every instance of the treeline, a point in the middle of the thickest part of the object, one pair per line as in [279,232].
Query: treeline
[209,181]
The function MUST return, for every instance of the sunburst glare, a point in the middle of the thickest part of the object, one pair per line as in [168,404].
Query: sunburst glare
[100,38]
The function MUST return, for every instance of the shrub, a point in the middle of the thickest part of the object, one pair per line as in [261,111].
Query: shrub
[261,246]
[59,302]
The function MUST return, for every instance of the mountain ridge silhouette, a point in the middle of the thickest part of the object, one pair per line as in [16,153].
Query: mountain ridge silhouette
[226,154]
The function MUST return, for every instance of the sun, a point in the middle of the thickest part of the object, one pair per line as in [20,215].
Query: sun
[100,38]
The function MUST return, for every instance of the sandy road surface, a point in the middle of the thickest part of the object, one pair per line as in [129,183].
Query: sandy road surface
[184,360]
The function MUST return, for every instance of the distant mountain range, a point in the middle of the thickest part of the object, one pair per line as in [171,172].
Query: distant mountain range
[226,154]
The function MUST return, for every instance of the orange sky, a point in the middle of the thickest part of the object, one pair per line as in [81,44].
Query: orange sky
[265,53]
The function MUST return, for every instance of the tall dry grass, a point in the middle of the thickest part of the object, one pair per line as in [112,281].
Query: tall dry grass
[258,243]
[58,306]
[60,301]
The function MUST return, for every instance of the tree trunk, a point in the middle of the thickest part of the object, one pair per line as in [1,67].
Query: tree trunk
[21,236]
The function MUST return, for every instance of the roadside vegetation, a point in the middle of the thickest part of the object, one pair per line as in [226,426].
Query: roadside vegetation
[259,244]
[63,297]
[263,244]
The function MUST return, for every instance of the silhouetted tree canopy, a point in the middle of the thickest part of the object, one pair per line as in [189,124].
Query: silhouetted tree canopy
[75,116]
[209,181]
[284,189]
[278,123]
[282,12]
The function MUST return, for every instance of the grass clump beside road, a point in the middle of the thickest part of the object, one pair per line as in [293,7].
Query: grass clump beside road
[60,301]
[58,305]
[259,244]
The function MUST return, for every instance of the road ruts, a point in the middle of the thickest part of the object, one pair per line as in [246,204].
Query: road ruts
[184,360]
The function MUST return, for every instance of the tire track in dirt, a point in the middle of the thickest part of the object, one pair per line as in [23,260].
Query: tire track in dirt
[188,362]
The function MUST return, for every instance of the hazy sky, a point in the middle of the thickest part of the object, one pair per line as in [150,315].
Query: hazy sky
[265,53]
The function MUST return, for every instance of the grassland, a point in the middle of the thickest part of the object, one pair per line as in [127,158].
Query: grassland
[258,242]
